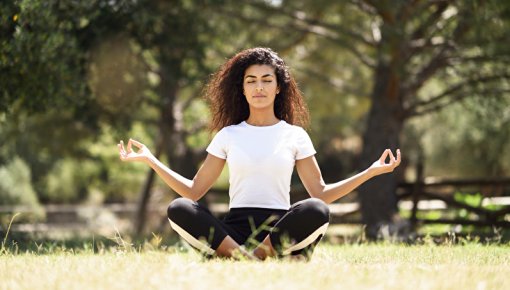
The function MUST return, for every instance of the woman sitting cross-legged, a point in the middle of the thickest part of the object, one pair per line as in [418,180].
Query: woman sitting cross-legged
[259,114]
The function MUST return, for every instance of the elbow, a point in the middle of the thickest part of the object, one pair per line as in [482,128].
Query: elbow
[314,195]
[189,194]
[192,192]
[317,189]
[195,195]
[319,195]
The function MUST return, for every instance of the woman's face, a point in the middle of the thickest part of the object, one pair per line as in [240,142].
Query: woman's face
[260,86]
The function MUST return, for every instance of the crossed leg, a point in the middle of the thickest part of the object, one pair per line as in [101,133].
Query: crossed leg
[297,232]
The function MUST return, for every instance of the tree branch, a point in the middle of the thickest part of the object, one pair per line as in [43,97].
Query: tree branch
[430,21]
[406,11]
[440,60]
[453,90]
[302,19]
[500,58]
[317,30]
[433,40]
[319,76]
[376,5]
[364,7]
[454,99]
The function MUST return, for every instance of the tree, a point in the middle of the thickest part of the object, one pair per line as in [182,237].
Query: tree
[409,46]
[142,61]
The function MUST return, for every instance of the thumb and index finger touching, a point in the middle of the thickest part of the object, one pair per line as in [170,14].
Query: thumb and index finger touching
[132,142]
[128,149]
[393,160]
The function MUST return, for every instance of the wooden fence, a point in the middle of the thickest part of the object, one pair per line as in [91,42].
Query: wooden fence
[417,199]
[489,201]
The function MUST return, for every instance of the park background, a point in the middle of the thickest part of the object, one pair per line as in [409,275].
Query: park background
[429,77]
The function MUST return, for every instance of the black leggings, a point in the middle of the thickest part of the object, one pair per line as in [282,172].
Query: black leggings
[293,231]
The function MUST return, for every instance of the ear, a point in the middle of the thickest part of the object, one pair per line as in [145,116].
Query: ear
[277,90]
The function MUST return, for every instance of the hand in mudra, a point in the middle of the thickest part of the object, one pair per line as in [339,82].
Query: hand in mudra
[128,154]
[381,167]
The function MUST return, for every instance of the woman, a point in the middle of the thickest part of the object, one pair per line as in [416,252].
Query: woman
[257,107]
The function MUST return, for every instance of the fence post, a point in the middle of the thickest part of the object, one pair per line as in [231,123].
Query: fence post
[417,190]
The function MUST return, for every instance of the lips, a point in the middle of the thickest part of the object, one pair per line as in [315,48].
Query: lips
[259,96]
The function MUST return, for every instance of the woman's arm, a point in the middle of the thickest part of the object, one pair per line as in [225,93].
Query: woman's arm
[311,176]
[192,189]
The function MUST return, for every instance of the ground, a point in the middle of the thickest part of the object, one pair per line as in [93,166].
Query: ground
[365,266]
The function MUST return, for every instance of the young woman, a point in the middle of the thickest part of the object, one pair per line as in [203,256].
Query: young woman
[257,107]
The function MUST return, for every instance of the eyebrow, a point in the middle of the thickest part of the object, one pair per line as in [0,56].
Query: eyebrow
[266,75]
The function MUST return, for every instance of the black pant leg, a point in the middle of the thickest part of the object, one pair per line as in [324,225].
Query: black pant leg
[196,225]
[301,228]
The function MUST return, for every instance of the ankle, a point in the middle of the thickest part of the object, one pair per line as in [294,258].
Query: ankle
[241,253]
[260,253]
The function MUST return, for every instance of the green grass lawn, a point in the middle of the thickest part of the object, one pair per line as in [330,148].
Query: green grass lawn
[365,266]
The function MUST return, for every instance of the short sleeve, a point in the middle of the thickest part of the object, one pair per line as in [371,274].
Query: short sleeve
[218,145]
[304,145]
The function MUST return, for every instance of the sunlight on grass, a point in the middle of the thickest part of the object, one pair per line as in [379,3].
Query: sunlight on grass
[379,266]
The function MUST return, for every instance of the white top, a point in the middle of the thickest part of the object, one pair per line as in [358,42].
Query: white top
[261,161]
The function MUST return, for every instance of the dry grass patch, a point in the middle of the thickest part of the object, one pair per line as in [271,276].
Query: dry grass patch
[471,266]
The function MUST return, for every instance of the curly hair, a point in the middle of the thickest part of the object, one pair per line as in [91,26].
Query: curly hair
[225,90]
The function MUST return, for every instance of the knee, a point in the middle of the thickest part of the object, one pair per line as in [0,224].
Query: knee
[316,209]
[179,207]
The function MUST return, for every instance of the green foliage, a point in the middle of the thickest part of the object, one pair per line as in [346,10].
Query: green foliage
[471,141]
[16,189]
[69,181]
[431,214]
[78,76]
[41,61]
[474,200]
[116,181]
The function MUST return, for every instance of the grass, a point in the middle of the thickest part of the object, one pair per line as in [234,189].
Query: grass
[366,266]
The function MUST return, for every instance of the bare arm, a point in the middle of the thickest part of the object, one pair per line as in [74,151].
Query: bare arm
[311,176]
[192,189]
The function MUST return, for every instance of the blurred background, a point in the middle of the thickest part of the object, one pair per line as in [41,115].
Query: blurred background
[429,77]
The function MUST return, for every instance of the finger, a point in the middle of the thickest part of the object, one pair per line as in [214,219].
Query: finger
[392,158]
[399,158]
[383,156]
[122,153]
[136,143]
[122,146]
[129,150]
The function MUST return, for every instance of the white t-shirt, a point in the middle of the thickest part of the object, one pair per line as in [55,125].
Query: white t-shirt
[261,161]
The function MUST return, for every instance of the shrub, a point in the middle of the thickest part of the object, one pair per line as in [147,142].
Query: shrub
[16,189]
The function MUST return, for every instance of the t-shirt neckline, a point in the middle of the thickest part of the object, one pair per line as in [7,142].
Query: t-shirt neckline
[244,123]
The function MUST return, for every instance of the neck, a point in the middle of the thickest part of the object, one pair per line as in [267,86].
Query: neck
[262,119]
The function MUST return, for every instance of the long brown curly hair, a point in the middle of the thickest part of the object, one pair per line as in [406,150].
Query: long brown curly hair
[225,90]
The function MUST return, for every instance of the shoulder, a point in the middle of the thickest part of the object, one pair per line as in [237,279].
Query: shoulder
[295,129]
[230,129]
[227,131]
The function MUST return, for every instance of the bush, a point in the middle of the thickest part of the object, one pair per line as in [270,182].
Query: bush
[69,181]
[16,188]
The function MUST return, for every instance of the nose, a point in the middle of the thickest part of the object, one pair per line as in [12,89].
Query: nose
[258,88]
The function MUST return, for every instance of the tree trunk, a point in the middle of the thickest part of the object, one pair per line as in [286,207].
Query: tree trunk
[180,156]
[171,142]
[141,210]
[378,196]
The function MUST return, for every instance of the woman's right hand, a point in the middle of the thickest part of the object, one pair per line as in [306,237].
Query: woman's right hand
[127,154]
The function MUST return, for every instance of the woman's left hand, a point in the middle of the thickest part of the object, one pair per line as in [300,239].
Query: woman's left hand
[380,166]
